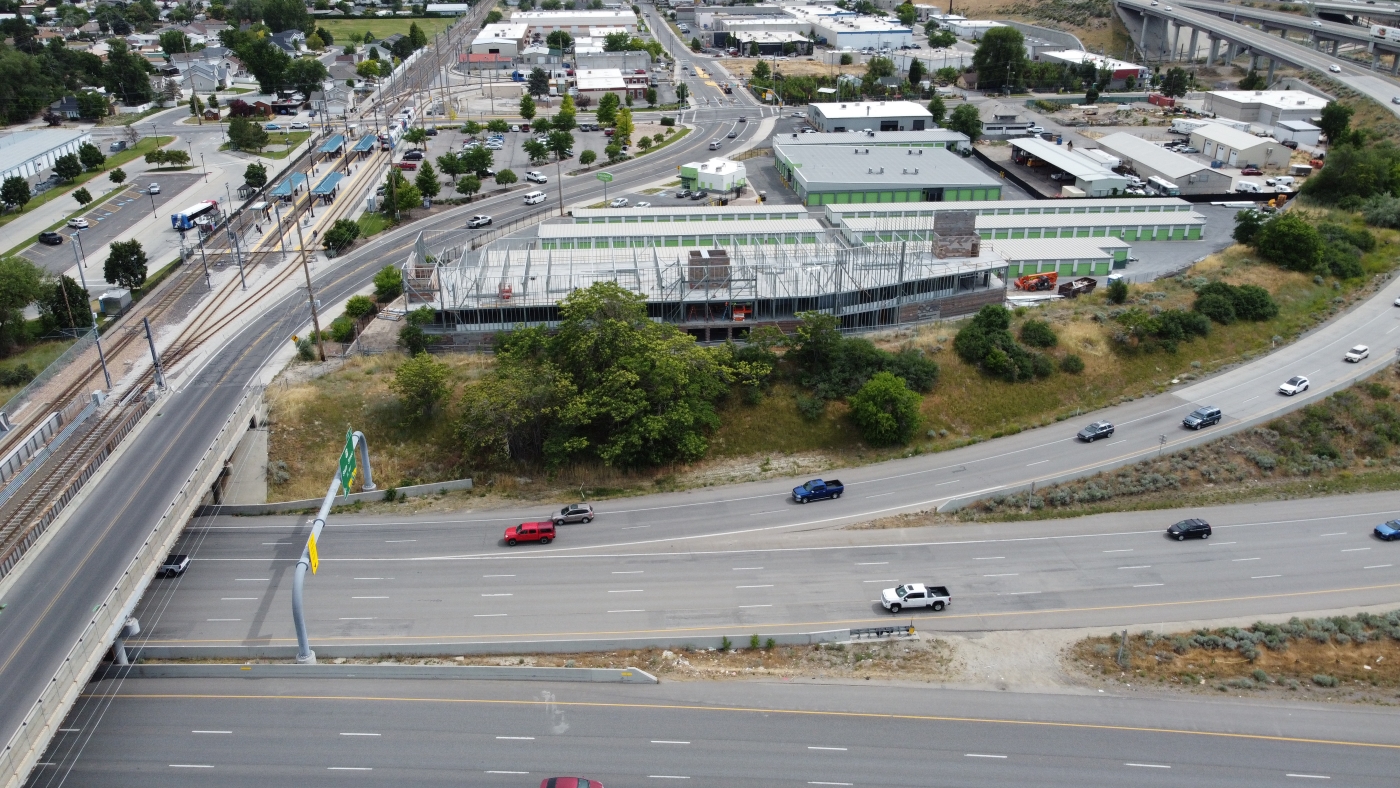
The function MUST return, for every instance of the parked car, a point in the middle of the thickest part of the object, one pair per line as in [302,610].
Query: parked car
[514,127]
[542,532]
[1202,417]
[1099,429]
[272,127]
[78,223]
[1190,149]
[642,204]
[301,124]
[407,165]
[608,132]
[1194,528]
[915,595]
[620,202]
[120,145]
[1357,353]
[480,220]
[413,155]
[817,489]
[1292,144]
[50,238]
[1036,129]
[433,132]
[174,564]
[1293,385]
[1251,171]
[682,194]
[1388,531]
[574,513]
[699,195]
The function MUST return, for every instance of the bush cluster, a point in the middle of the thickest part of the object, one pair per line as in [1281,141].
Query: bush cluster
[1226,303]
[832,366]
[1166,329]
[1248,642]
[1291,241]
[987,342]
[17,375]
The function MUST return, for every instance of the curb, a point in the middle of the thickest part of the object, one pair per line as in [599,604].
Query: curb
[324,671]
[310,504]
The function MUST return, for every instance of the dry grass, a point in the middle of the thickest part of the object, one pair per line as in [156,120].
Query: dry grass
[740,67]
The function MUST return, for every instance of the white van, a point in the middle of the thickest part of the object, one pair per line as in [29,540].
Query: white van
[534,198]
[1281,181]
[1249,187]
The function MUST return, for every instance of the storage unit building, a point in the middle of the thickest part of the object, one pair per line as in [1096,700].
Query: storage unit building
[858,174]
[873,115]
[1173,226]
[687,212]
[1147,159]
[1236,148]
[716,175]
[1090,175]
[681,234]
[1300,131]
[838,214]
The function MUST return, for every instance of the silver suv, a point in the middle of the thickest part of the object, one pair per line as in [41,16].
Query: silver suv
[574,513]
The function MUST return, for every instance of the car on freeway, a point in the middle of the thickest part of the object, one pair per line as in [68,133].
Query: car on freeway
[1397,302]
[153,189]
[731,135]
[743,118]
[301,124]
[50,238]
[272,127]
[1388,531]
[78,223]
[480,220]
[574,513]
[1099,429]
[542,532]
[1251,171]
[1293,385]
[620,202]
[642,204]
[915,595]
[174,564]
[569,782]
[1334,68]
[1395,99]
[1194,528]
[817,489]
[1357,353]
[1202,417]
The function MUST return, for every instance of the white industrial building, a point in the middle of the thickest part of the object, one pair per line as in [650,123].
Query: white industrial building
[1089,174]
[502,38]
[970,28]
[1264,107]
[29,153]
[1300,131]
[872,115]
[847,30]
[1236,148]
[575,23]
[1149,159]
[1122,69]
[716,175]
[770,42]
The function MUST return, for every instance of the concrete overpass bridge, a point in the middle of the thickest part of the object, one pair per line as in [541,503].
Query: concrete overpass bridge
[1319,34]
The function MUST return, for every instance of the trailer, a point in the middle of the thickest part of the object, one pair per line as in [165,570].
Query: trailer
[1084,285]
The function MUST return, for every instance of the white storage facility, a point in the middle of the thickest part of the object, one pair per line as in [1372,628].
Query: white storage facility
[873,115]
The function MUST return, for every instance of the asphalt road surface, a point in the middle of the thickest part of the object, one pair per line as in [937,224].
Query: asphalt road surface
[372,732]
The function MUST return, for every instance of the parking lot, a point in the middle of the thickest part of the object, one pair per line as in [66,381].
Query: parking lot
[114,217]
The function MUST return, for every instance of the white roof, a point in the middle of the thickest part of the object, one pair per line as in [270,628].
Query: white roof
[1230,137]
[1080,56]
[1282,99]
[1078,166]
[573,18]
[600,79]
[1297,125]
[650,229]
[716,166]
[1171,164]
[21,146]
[1025,250]
[873,109]
[766,36]
[866,24]
[515,30]
[603,31]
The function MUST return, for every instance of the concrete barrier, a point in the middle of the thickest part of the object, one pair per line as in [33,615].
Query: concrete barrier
[324,651]
[330,671]
[311,504]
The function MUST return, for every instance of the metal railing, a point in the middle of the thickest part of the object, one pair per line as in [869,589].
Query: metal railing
[892,630]
[84,342]
[43,454]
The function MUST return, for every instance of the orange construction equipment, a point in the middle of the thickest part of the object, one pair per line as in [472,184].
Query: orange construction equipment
[1037,281]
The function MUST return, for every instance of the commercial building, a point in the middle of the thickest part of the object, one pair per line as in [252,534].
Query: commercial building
[1300,131]
[594,82]
[1001,122]
[681,234]
[27,154]
[1083,172]
[769,42]
[1147,159]
[576,23]
[842,29]
[685,212]
[715,175]
[872,115]
[837,215]
[1236,148]
[1265,107]
[928,138]
[1122,70]
[822,174]
[502,38]
[969,28]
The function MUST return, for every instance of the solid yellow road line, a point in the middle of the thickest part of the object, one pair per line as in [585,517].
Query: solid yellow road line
[769,627]
[757,710]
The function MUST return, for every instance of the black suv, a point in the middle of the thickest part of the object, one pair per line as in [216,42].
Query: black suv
[1194,528]
[50,238]
[1202,417]
[1099,429]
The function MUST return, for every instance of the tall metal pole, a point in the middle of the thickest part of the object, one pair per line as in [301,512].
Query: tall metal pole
[311,296]
[97,335]
[305,656]
[155,357]
[209,283]
[281,234]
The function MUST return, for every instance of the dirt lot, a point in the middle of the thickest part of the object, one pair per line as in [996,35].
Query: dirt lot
[742,67]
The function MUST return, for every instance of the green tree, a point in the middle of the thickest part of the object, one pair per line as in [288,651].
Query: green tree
[607,108]
[1252,81]
[644,143]
[451,165]
[427,181]
[1038,333]
[623,127]
[471,127]
[761,72]
[64,304]
[1000,60]
[695,45]
[255,175]
[280,15]
[91,156]
[560,143]
[586,158]
[907,14]
[566,119]
[1175,82]
[942,39]
[497,126]
[15,192]
[846,58]
[359,306]
[421,384]
[613,152]
[1247,224]
[368,69]
[68,166]
[651,97]
[412,337]
[938,109]
[126,264]
[93,105]
[493,17]
[306,74]
[21,283]
[527,107]
[477,159]
[560,40]
[246,135]
[538,82]
[541,125]
[403,195]
[83,196]
[1091,95]
[616,42]
[916,73]
[341,235]
[416,136]
[1289,240]
[174,42]
[506,177]
[469,185]
[388,284]
[966,120]
[117,176]
[1336,118]
[885,410]
[126,75]
[1117,291]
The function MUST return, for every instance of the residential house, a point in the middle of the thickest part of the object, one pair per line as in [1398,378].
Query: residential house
[290,41]
[205,78]
[335,101]
[66,106]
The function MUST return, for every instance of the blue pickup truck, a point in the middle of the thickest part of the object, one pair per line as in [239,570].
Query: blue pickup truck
[817,489]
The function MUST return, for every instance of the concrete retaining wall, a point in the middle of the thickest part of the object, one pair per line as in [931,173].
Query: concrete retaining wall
[311,504]
[328,671]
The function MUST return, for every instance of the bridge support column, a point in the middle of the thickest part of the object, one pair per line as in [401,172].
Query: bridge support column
[1253,62]
[1395,64]
[1214,51]
[1191,53]
[1375,57]
[1270,79]
[1176,34]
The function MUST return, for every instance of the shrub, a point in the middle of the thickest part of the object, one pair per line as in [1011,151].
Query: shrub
[17,375]
[668,121]
[1224,303]
[1324,680]
[724,644]
[388,284]
[1217,307]
[1038,333]
[885,410]
[1072,364]
[343,329]
[1117,291]
[359,306]
[1289,240]
[811,408]
[753,642]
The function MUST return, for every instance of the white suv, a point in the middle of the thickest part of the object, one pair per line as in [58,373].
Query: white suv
[535,176]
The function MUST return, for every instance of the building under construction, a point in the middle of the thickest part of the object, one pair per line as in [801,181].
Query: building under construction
[715,293]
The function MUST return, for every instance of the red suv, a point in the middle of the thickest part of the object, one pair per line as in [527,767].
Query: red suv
[530,532]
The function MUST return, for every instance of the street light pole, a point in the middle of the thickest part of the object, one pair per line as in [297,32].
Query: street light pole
[97,335]
[203,167]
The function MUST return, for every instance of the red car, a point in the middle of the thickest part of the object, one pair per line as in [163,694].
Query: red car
[608,132]
[1251,171]
[407,165]
[569,782]
[542,532]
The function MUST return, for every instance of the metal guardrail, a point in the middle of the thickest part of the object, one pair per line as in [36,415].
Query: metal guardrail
[84,342]
[43,454]
[893,630]
[28,743]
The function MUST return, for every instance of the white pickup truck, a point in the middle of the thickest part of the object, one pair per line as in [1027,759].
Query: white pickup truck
[915,595]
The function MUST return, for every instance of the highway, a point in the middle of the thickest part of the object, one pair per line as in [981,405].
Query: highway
[330,732]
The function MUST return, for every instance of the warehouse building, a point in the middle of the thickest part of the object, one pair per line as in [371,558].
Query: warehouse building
[822,174]
[871,115]
[683,212]
[1148,160]
[842,29]
[1235,148]
[928,138]
[1162,226]
[502,38]
[1086,173]
[715,175]
[769,42]
[700,235]
[27,154]
[1300,131]
[1264,107]
[1122,70]
[576,23]
[969,28]
[836,215]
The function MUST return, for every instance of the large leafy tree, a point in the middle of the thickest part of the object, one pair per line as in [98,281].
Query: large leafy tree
[266,62]
[127,75]
[91,156]
[306,74]
[64,303]
[15,192]
[966,120]
[420,383]
[68,167]
[280,15]
[1000,60]
[126,264]
[255,175]
[21,282]
[427,181]
[607,108]
[1336,118]
[538,83]
[886,410]
[244,134]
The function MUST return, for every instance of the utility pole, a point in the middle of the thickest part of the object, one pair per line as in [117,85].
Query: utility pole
[311,295]
[97,335]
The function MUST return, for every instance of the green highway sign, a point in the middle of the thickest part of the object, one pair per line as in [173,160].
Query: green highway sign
[605,176]
[347,461]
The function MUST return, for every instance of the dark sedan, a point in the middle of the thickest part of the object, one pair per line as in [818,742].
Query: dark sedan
[1388,531]
[1099,429]
[50,238]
